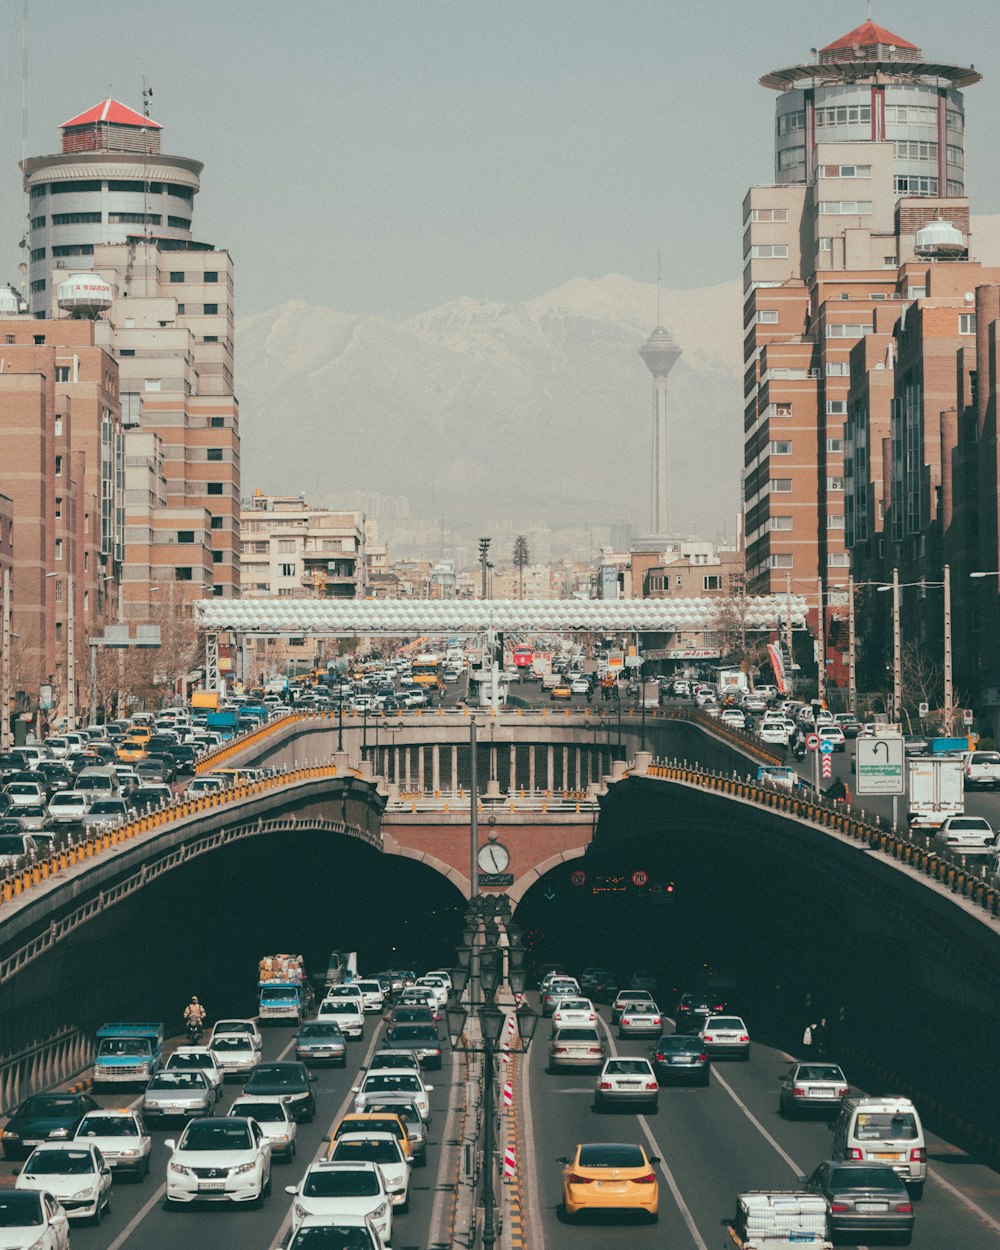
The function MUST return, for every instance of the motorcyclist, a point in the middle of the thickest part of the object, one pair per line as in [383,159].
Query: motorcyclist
[194,1015]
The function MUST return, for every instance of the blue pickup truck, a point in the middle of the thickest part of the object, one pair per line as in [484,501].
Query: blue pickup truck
[127,1054]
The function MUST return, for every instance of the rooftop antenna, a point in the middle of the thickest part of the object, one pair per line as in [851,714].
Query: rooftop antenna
[147,95]
[23,266]
[659,279]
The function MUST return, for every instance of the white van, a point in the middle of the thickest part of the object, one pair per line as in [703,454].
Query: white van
[99,782]
[883,1130]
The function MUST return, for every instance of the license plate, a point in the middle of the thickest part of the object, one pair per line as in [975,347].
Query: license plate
[211,1185]
[889,1155]
[629,1084]
[31,1141]
[822,1093]
[613,1187]
[871,1206]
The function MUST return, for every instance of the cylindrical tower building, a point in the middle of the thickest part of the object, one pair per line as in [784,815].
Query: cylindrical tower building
[109,184]
[660,353]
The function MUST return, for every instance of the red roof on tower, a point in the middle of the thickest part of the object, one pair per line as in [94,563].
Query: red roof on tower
[113,112]
[867,35]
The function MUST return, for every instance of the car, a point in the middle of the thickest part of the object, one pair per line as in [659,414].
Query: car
[883,1130]
[573,1011]
[680,1057]
[394,1060]
[982,770]
[812,1087]
[239,1027]
[628,998]
[376,1085]
[421,1039]
[105,812]
[377,1122]
[32,1220]
[725,1035]
[915,744]
[627,1082]
[25,793]
[148,796]
[833,734]
[201,1057]
[322,1232]
[579,685]
[372,995]
[131,750]
[334,1190]
[275,1120]
[219,1159]
[556,990]
[74,1173]
[437,985]
[864,1199]
[778,777]
[177,1095]
[966,835]
[346,1013]
[235,1053]
[42,1118]
[576,1046]
[774,734]
[383,1149]
[17,846]
[122,1139]
[563,690]
[849,723]
[350,991]
[291,1081]
[321,1041]
[68,807]
[603,1176]
[198,787]
[32,816]
[640,1020]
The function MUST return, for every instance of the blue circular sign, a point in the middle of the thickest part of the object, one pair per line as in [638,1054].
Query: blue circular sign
[826,747]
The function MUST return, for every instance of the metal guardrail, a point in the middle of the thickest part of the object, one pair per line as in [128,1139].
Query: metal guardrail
[43,1065]
[907,848]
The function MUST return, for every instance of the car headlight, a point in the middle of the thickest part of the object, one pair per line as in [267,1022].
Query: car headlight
[380,1211]
[300,1212]
[128,1154]
[180,1169]
[59,1132]
[9,1132]
[280,1137]
[243,1168]
[84,1193]
[38,1245]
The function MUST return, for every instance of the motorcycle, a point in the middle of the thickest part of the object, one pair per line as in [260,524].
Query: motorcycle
[194,1032]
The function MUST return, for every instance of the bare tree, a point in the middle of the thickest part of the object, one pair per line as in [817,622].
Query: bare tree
[740,644]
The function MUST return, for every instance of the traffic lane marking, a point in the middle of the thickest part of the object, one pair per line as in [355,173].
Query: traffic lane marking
[531,1152]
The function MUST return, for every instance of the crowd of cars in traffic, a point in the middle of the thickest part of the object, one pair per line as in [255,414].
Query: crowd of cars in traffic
[876,1164]
[74,1150]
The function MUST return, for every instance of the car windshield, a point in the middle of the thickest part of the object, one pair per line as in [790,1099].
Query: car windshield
[59,1163]
[341,1007]
[49,1105]
[292,1077]
[229,1042]
[216,1135]
[969,822]
[574,1004]
[886,1126]
[392,1061]
[406,1111]
[611,1155]
[414,1033]
[673,1042]
[262,1112]
[819,1072]
[108,1126]
[276,994]
[370,1151]
[628,1067]
[842,1179]
[319,1030]
[577,1035]
[636,996]
[341,1183]
[107,807]
[123,1046]
[331,1237]
[189,1061]
[178,1080]
[413,1014]
[385,1082]
[725,1022]
[20,1210]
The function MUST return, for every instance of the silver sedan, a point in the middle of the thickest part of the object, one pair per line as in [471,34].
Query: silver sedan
[177,1095]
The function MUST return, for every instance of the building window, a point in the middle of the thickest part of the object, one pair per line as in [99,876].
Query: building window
[183,575]
[10,338]
[781,485]
[781,448]
[956,121]
[58,469]
[790,122]
[181,310]
[76,219]
[176,275]
[834,522]
[712,582]
[135,219]
[838,369]
[913,184]
[826,244]
[836,407]
[955,189]
[38,285]
[216,557]
[126,351]
[184,193]
[153,384]
[769,214]
[38,253]
[889,262]
[215,488]
[781,523]
[767,317]
[73,249]
[286,570]
[916,292]
[62,373]
[838,560]
[782,562]
[915,150]
[38,340]
[847,330]
[911,114]
[845,208]
[844,115]
[217,591]
[211,310]
[211,275]
[216,523]
[769,251]
[59,548]
[834,483]
[58,507]
[214,453]
[966,323]
[835,445]
[185,536]
[217,423]
[782,410]
[790,158]
[179,223]
[845,171]
[286,544]
[211,338]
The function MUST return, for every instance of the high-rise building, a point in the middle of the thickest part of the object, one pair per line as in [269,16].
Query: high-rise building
[869,153]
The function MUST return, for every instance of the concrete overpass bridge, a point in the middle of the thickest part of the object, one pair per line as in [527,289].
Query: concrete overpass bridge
[800,893]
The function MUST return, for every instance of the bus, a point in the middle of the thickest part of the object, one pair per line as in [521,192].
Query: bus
[426,672]
[523,657]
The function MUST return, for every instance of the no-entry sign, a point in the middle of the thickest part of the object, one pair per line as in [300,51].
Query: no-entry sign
[640,877]
[578,877]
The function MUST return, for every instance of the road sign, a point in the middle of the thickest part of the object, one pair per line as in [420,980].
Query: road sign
[812,742]
[509,1163]
[640,877]
[880,763]
[967,716]
[508,1094]
[923,709]
[826,747]
[827,766]
[578,877]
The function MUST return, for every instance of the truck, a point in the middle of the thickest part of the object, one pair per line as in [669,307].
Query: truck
[225,721]
[127,1054]
[778,1219]
[341,968]
[283,988]
[541,663]
[935,791]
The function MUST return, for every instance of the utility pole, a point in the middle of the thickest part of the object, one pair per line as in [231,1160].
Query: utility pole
[473,812]
[852,675]
[821,644]
[788,632]
[71,654]
[484,550]
[897,658]
[5,735]
[949,694]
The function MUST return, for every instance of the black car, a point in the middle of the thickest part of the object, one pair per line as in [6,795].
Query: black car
[162,756]
[57,776]
[291,1081]
[680,1057]
[864,1198]
[694,1009]
[11,762]
[146,798]
[422,1040]
[44,1117]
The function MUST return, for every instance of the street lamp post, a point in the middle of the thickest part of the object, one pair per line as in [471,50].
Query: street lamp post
[5,683]
[70,651]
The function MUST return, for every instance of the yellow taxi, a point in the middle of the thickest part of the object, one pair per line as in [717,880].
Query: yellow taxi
[371,1123]
[563,691]
[145,732]
[610,1176]
[131,749]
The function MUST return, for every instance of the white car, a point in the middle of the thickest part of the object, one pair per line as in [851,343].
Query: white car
[775,734]
[733,718]
[235,1053]
[336,1189]
[270,1112]
[198,787]
[579,685]
[76,1174]
[573,1011]
[351,990]
[68,807]
[346,1013]
[219,1160]
[200,1058]
[247,1028]
[357,1231]
[32,1221]
[436,987]
[377,1085]
[627,1081]
[24,794]
[395,1061]
[372,996]
[834,734]
[121,1138]
[968,835]
[725,1035]
[383,1149]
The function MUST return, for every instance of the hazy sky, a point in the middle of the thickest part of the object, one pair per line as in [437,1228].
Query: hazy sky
[385,157]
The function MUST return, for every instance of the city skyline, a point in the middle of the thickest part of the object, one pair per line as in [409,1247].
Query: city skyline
[487,156]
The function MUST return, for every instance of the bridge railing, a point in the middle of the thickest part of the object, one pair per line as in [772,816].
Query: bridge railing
[950,870]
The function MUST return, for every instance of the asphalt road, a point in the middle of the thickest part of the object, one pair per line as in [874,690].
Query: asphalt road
[714,1143]
[139,1220]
